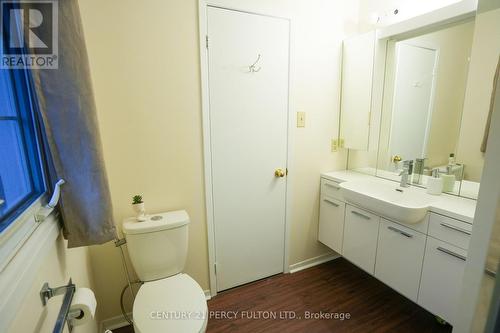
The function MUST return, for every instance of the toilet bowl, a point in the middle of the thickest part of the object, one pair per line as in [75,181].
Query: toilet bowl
[168,300]
[174,304]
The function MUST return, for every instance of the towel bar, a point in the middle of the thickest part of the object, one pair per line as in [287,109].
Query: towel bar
[65,315]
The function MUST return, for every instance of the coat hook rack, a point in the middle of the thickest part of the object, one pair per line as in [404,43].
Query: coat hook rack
[253,68]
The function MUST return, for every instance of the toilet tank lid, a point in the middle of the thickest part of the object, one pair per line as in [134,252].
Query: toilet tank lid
[156,222]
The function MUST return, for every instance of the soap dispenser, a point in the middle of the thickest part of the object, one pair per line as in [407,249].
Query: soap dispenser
[435,183]
[451,159]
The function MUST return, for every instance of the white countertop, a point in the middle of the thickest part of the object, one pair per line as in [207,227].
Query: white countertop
[450,205]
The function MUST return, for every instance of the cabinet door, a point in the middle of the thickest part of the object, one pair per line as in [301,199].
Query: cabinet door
[358,54]
[331,223]
[400,252]
[441,282]
[360,238]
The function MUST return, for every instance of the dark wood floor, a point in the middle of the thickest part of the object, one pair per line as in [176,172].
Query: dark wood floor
[335,287]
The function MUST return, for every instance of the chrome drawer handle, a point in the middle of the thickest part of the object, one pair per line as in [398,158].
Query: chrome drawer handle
[334,186]
[490,272]
[360,215]
[400,231]
[451,253]
[331,202]
[452,227]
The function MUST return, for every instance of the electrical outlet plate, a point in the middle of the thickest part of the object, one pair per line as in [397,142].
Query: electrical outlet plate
[301,119]
[341,143]
[335,145]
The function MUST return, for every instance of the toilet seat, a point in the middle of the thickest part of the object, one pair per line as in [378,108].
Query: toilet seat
[174,304]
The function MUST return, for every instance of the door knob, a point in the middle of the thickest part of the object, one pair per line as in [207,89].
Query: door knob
[279,172]
[396,158]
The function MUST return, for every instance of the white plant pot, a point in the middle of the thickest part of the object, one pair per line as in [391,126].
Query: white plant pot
[140,211]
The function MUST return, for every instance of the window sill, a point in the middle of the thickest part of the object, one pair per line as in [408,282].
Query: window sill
[18,275]
[18,232]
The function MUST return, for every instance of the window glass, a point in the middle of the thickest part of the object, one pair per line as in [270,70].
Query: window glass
[6,102]
[20,173]
[14,174]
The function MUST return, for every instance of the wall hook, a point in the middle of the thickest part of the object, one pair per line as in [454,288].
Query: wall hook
[253,68]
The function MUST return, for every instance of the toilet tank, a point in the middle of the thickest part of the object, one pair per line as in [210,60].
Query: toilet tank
[157,246]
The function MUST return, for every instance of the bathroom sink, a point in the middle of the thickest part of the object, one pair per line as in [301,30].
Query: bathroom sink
[406,205]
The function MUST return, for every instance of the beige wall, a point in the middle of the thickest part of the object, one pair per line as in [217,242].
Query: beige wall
[484,59]
[57,267]
[145,68]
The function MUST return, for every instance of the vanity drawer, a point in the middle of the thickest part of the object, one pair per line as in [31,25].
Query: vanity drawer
[360,238]
[331,189]
[441,281]
[450,230]
[400,252]
[331,223]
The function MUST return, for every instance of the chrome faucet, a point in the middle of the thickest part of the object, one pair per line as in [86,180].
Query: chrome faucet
[406,173]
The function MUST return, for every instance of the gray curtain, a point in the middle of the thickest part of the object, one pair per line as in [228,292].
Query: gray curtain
[68,122]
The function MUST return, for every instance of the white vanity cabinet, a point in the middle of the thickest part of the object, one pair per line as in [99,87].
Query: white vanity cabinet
[400,252]
[360,237]
[424,262]
[331,216]
[444,265]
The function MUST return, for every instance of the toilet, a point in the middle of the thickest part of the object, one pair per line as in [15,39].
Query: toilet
[169,300]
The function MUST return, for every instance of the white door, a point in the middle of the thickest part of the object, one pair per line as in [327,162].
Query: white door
[248,131]
[412,104]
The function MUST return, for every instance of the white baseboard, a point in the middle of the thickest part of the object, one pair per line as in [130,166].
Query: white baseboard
[114,323]
[308,263]
[208,294]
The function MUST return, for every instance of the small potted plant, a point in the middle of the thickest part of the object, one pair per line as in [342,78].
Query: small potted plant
[138,206]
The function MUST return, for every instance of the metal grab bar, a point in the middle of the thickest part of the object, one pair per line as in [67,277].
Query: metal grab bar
[65,315]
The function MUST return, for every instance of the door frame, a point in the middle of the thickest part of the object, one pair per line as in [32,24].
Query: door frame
[207,153]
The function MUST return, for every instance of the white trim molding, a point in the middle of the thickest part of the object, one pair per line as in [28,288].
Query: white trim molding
[453,13]
[208,294]
[249,7]
[486,216]
[18,276]
[311,262]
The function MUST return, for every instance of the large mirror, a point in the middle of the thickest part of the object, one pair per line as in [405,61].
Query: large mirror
[426,80]
[433,109]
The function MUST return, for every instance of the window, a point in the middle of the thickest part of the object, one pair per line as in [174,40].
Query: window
[21,180]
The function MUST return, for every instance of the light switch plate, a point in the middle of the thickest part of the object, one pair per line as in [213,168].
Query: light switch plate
[301,119]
